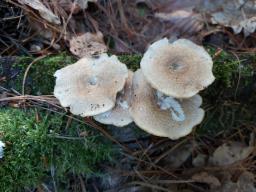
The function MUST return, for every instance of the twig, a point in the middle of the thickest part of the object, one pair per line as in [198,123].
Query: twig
[149,186]
[27,70]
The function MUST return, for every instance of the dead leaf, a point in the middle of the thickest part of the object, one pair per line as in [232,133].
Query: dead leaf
[240,15]
[88,45]
[184,21]
[229,153]
[205,177]
[46,13]
[245,183]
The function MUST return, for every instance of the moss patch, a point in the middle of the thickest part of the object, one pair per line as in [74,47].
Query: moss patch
[40,78]
[37,148]
[227,67]
[132,61]
[228,102]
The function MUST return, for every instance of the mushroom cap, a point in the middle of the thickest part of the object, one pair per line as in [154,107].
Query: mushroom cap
[179,69]
[89,86]
[150,117]
[119,116]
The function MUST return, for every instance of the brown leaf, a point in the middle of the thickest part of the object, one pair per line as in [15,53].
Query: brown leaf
[245,183]
[87,45]
[184,21]
[46,13]
[239,15]
[205,177]
[229,153]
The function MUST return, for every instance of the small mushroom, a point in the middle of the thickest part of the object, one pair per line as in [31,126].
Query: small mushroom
[179,69]
[89,86]
[119,116]
[149,115]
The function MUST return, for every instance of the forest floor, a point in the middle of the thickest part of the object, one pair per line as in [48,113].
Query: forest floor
[49,149]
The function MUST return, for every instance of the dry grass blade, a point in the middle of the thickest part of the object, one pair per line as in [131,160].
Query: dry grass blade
[27,70]
[151,186]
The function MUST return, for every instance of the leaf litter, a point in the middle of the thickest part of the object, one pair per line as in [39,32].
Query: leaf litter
[131,27]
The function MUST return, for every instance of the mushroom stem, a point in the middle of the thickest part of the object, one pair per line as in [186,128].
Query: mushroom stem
[171,104]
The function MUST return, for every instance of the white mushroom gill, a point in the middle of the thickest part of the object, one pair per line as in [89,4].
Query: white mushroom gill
[169,103]
[105,115]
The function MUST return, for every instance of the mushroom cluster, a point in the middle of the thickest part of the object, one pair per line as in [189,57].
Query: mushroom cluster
[161,97]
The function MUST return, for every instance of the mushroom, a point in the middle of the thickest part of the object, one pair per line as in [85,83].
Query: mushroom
[119,116]
[89,86]
[148,113]
[179,69]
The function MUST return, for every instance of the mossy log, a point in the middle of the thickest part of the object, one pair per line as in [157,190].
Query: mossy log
[229,104]
[229,100]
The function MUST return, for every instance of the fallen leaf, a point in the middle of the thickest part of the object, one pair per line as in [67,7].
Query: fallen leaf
[46,13]
[88,45]
[245,183]
[229,153]
[205,177]
[184,21]
[240,15]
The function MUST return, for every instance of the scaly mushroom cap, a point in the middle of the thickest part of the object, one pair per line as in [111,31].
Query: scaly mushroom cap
[119,116]
[179,69]
[89,86]
[150,117]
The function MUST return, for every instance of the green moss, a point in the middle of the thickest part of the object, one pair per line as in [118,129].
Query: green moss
[36,149]
[132,61]
[40,79]
[228,101]
[225,116]
[227,67]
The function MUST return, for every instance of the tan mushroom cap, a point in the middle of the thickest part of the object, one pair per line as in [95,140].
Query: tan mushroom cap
[179,69]
[119,116]
[89,86]
[148,116]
